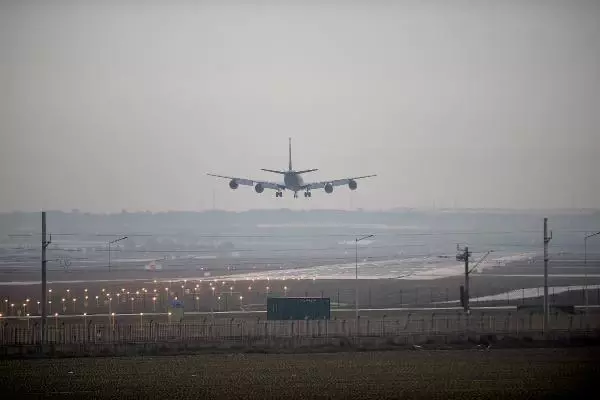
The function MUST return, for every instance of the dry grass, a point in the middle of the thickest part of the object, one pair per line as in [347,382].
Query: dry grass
[531,373]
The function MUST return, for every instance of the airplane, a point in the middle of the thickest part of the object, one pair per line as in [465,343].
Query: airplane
[292,180]
[153,265]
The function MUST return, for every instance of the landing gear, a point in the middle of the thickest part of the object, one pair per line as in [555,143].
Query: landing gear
[295,195]
[307,194]
[278,194]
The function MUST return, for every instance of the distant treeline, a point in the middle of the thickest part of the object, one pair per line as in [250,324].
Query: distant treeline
[216,222]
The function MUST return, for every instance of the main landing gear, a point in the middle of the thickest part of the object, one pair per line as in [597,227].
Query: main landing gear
[306,194]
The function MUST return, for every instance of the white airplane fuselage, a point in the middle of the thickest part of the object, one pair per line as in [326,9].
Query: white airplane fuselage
[293,181]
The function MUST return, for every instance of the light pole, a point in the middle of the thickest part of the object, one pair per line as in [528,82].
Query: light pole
[212,303]
[111,242]
[585,266]
[356,286]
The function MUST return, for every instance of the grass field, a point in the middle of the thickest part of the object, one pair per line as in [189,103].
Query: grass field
[523,373]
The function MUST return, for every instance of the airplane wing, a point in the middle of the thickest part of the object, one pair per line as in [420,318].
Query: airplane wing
[335,182]
[252,182]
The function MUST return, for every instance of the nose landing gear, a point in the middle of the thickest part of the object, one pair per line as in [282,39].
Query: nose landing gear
[278,194]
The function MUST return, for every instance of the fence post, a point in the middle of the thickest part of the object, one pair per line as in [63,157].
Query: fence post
[407,322]
[266,331]
[530,320]
[570,323]
[319,328]
[481,323]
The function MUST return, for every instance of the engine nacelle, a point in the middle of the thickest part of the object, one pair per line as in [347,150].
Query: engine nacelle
[259,188]
[328,188]
[233,184]
[352,184]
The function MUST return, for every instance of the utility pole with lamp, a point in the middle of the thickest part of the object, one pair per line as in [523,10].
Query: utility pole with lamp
[546,307]
[585,291]
[465,255]
[356,286]
[112,242]
[45,244]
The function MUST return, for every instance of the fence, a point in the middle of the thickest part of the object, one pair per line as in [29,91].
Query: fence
[223,331]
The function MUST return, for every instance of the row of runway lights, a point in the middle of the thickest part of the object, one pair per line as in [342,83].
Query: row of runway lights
[126,295]
[85,315]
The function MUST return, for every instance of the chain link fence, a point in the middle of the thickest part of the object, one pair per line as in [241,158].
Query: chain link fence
[233,330]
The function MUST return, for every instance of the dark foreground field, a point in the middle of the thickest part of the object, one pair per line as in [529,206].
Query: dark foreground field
[518,374]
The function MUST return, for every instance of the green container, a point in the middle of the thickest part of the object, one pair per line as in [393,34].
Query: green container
[298,308]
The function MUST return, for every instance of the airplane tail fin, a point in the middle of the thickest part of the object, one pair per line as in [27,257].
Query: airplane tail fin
[289,165]
[290,148]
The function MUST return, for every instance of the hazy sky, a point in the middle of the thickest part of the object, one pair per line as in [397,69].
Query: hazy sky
[127,104]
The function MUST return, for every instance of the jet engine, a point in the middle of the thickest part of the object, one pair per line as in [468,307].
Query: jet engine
[328,188]
[352,184]
[259,188]
[233,184]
